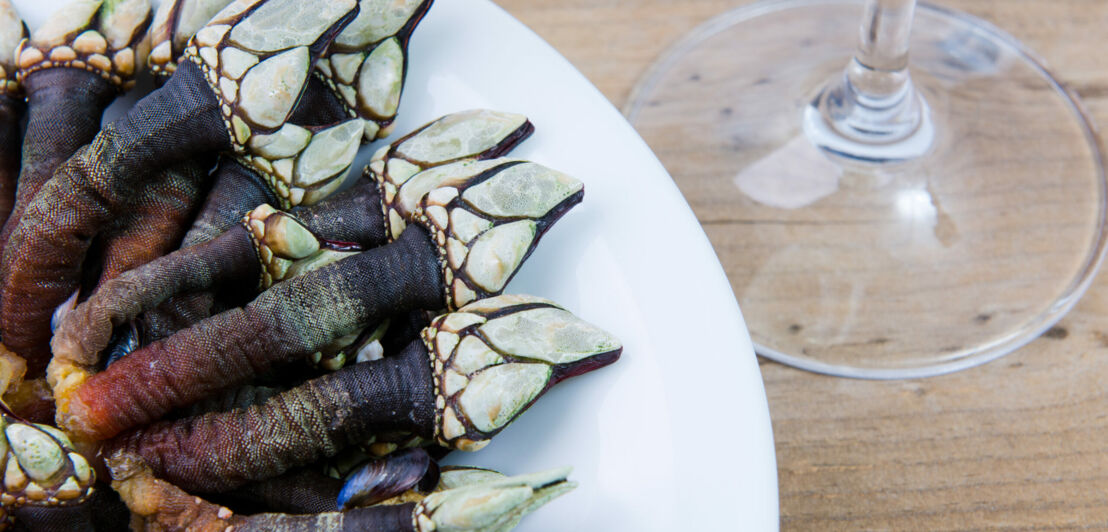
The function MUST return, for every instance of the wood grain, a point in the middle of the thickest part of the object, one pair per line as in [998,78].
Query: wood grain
[1015,444]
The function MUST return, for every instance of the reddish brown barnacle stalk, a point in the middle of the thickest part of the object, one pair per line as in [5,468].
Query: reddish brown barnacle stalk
[70,68]
[229,264]
[473,373]
[209,105]
[161,212]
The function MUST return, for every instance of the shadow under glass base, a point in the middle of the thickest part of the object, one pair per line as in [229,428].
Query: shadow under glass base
[880,270]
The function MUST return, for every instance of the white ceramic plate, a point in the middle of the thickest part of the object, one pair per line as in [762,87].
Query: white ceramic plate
[676,435]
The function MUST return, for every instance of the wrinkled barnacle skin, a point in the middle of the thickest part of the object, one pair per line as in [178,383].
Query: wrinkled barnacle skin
[71,69]
[368,295]
[454,216]
[494,357]
[68,72]
[307,159]
[40,467]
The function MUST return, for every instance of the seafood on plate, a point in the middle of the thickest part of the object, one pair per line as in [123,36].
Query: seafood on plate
[234,334]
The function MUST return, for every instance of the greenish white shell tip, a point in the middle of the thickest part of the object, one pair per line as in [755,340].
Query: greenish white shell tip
[482,248]
[494,505]
[494,357]
[40,468]
[365,66]
[259,73]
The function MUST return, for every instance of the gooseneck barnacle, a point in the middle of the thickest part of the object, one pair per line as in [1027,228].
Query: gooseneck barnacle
[233,333]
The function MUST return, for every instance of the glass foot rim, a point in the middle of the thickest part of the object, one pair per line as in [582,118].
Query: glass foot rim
[951,362]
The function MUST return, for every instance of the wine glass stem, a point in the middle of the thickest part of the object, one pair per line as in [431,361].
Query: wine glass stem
[880,67]
[872,112]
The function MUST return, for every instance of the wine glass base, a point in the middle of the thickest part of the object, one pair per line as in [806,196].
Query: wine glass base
[863,267]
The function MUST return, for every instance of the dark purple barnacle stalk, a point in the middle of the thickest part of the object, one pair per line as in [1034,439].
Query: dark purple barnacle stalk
[284,92]
[70,68]
[414,272]
[474,372]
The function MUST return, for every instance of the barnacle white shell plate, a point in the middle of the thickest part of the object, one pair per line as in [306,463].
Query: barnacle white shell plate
[674,436]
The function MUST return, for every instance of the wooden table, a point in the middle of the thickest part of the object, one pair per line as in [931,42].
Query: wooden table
[1015,444]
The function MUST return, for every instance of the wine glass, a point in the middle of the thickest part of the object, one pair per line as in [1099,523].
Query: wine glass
[905,216]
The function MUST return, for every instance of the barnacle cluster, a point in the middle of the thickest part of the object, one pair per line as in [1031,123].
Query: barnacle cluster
[197,303]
